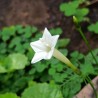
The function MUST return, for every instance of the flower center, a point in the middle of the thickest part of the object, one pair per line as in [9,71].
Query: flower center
[48,48]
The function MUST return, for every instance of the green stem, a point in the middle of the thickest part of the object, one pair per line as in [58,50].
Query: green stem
[87,43]
[78,27]
[90,82]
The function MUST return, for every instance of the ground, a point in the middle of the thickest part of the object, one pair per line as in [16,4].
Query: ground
[42,13]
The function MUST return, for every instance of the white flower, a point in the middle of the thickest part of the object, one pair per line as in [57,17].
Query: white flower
[44,47]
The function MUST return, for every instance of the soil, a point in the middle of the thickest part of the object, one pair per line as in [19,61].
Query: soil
[42,13]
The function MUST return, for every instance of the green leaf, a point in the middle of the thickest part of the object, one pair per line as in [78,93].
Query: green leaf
[32,71]
[60,67]
[64,51]
[30,53]
[19,29]
[69,8]
[93,28]
[26,45]
[55,31]
[19,48]
[81,13]
[40,67]
[14,42]
[90,58]
[77,55]
[3,47]
[42,90]
[15,61]
[2,69]
[38,35]
[54,62]
[34,29]
[87,68]
[5,34]
[63,42]
[58,77]
[8,95]
[11,30]
[52,71]
[69,89]
[27,31]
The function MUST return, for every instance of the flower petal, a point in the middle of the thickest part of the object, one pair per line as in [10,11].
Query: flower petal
[49,54]
[46,36]
[38,46]
[44,47]
[38,56]
[46,33]
[54,40]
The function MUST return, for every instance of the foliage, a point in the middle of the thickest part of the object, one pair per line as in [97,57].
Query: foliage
[37,91]
[16,71]
[72,9]
[8,95]
[93,28]
[13,62]
[16,55]
[71,86]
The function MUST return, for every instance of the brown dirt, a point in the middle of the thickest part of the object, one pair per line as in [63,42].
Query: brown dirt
[42,13]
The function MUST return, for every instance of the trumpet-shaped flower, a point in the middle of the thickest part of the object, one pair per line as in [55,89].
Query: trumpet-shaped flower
[44,47]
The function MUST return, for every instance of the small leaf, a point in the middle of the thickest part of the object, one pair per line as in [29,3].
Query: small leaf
[69,8]
[77,55]
[30,53]
[26,45]
[8,95]
[19,48]
[2,69]
[19,29]
[81,13]
[14,42]
[63,42]
[42,90]
[93,28]
[60,67]
[11,30]
[40,67]
[5,34]
[58,77]
[52,71]
[34,29]
[64,51]
[69,89]
[90,58]
[27,31]
[15,61]
[56,31]
[3,48]
[87,68]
